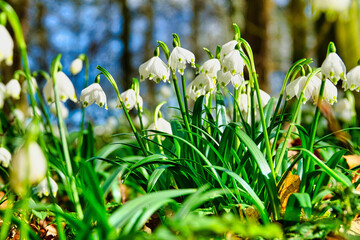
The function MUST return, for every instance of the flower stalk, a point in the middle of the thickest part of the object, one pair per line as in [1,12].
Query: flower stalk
[54,69]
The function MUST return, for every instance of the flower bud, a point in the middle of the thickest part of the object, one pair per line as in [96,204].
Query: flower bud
[76,66]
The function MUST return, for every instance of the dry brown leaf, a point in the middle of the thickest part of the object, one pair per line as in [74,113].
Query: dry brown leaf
[4,204]
[290,185]
[252,213]
[352,160]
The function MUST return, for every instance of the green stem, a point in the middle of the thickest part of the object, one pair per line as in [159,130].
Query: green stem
[113,83]
[314,125]
[185,95]
[182,108]
[54,68]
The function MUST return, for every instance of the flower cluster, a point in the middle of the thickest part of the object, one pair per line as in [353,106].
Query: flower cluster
[333,69]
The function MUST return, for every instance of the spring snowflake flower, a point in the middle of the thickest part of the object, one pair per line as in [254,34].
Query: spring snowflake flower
[211,67]
[5,157]
[13,89]
[43,188]
[64,110]
[329,94]
[161,125]
[93,94]
[233,62]
[295,87]
[243,104]
[265,98]
[178,59]
[76,66]
[333,67]
[353,79]
[64,86]
[154,69]
[224,78]
[129,99]
[227,48]
[6,46]
[201,85]
[28,166]
[344,110]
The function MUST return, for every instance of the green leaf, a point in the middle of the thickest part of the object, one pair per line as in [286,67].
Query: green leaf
[296,202]
[269,180]
[220,112]
[122,215]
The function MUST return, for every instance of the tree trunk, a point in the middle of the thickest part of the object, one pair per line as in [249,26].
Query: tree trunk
[298,28]
[256,33]
[126,57]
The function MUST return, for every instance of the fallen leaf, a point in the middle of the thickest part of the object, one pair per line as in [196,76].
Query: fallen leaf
[290,185]
[352,160]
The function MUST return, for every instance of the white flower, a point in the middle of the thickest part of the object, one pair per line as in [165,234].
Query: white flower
[6,46]
[353,79]
[28,167]
[233,62]
[63,109]
[201,85]
[93,94]
[344,110]
[227,48]
[161,125]
[154,69]
[65,88]
[295,87]
[329,94]
[332,5]
[178,59]
[211,67]
[243,105]
[13,89]
[76,66]
[43,188]
[5,157]
[265,98]
[129,99]
[18,114]
[333,67]
[224,78]
[30,112]
[33,84]
[2,95]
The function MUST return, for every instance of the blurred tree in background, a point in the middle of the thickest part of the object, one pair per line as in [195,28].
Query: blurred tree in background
[122,34]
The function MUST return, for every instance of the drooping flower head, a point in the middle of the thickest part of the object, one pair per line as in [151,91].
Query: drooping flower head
[201,85]
[13,89]
[211,67]
[353,79]
[129,99]
[224,78]
[6,46]
[65,88]
[333,67]
[344,110]
[227,48]
[178,59]
[93,94]
[296,87]
[33,83]
[43,188]
[5,157]
[154,69]
[28,167]
[76,66]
